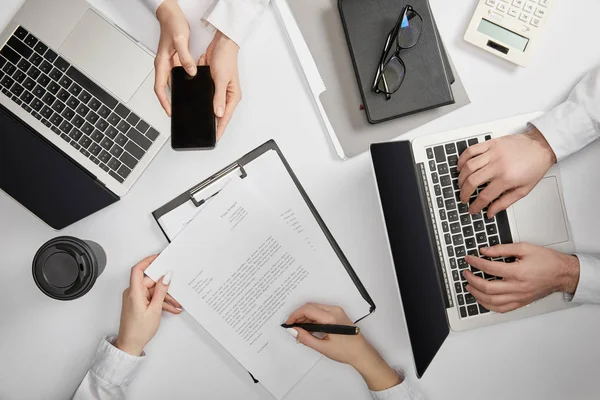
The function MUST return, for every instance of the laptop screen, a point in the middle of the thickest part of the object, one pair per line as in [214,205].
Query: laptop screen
[43,179]
[415,261]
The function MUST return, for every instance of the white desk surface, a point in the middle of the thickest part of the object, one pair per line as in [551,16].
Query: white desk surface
[46,345]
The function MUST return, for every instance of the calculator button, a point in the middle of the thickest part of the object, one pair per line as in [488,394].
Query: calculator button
[495,17]
[502,7]
[544,3]
[540,12]
[535,21]
[529,7]
[525,17]
[491,3]
[513,12]
[518,3]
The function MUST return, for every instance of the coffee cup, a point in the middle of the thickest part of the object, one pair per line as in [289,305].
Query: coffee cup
[66,268]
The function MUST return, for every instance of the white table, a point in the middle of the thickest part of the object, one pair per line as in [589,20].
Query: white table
[46,345]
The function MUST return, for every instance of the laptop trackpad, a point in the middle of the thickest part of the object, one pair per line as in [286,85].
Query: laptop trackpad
[108,56]
[540,216]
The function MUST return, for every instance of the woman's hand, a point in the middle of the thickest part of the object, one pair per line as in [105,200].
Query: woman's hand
[222,56]
[173,49]
[348,349]
[143,303]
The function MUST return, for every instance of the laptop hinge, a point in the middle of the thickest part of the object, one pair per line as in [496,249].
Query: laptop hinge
[437,244]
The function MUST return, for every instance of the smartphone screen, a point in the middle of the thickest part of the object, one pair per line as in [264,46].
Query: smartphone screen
[193,123]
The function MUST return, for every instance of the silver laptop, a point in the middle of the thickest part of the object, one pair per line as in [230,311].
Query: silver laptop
[539,218]
[430,232]
[85,86]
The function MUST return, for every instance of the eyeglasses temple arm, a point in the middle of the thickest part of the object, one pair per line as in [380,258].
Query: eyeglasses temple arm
[384,54]
[387,47]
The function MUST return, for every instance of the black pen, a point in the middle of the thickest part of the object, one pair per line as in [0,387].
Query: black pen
[326,328]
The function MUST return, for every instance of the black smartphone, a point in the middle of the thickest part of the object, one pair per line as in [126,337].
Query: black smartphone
[193,121]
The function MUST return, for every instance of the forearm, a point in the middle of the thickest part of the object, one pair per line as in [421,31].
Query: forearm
[234,19]
[547,156]
[568,278]
[574,124]
[154,4]
[385,382]
[376,372]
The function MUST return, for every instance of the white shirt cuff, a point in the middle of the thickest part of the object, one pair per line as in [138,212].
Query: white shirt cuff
[567,127]
[574,124]
[588,288]
[402,391]
[113,365]
[153,5]
[234,18]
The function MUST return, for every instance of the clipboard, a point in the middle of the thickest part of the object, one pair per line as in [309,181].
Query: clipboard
[192,196]
[199,194]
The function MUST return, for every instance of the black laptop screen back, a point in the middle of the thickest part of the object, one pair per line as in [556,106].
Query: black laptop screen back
[412,248]
[43,179]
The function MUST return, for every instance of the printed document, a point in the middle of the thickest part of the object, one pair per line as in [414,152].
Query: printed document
[268,175]
[240,270]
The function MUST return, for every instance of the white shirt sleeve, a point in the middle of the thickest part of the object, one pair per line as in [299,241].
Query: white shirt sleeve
[234,18]
[153,5]
[568,128]
[402,391]
[574,124]
[112,370]
[588,288]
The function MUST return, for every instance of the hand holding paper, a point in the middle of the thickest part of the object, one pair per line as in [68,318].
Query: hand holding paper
[240,270]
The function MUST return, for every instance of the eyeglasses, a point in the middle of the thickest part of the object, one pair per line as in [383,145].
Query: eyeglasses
[391,70]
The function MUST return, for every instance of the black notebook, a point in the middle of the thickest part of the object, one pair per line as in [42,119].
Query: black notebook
[428,75]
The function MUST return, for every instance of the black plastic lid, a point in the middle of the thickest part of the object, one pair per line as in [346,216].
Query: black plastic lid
[65,268]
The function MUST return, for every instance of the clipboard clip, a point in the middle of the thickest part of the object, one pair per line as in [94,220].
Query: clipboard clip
[213,179]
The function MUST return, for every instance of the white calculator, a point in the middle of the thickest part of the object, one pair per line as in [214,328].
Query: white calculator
[509,28]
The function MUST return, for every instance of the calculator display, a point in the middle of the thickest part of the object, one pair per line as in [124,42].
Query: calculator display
[503,35]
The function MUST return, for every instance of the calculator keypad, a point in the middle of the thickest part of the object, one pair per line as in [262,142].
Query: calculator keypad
[529,12]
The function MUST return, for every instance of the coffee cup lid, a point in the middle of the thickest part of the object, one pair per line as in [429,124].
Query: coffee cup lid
[64,268]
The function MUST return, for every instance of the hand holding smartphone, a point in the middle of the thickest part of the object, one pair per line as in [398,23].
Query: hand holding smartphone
[193,122]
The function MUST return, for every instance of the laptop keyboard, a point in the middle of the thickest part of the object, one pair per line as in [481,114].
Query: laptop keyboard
[463,234]
[72,106]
